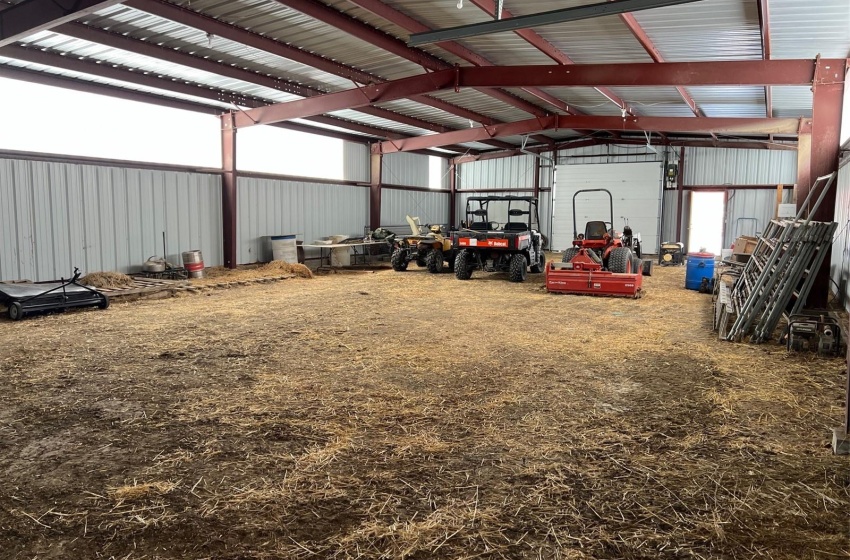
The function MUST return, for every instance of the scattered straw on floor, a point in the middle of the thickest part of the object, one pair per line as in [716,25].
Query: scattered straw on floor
[274,269]
[112,280]
[413,416]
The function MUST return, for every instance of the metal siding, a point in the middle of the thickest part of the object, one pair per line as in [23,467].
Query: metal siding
[310,210]
[610,154]
[402,168]
[515,172]
[356,164]
[727,166]
[750,203]
[429,207]
[668,215]
[58,215]
[841,244]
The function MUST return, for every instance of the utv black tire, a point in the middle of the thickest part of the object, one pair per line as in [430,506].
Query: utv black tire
[434,260]
[569,254]
[619,260]
[16,311]
[518,268]
[398,260]
[463,266]
[541,264]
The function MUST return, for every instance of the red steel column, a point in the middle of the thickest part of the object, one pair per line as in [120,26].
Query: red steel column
[452,193]
[825,138]
[680,199]
[375,192]
[228,188]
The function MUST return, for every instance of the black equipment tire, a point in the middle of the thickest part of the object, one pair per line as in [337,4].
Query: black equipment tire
[636,248]
[104,303]
[16,311]
[420,261]
[463,268]
[398,260]
[518,268]
[619,260]
[541,264]
[636,265]
[569,254]
[434,260]
[647,268]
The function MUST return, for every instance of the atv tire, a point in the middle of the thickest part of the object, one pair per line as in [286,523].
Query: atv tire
[620,260]
[434,260]
[569,254]
[420,261]
[541,264]
[398,260]
[518,268]
[463,265]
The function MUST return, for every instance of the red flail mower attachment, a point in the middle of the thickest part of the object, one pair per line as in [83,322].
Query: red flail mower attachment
[583,275]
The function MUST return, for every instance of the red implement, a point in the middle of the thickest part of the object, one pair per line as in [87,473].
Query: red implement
[583,275]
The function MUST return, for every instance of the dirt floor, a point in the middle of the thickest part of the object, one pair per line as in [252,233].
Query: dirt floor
[407,415]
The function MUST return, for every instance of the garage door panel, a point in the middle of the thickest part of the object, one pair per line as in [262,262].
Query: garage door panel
[636,192]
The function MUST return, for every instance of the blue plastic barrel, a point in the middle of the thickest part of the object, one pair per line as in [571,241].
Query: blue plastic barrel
[700,265]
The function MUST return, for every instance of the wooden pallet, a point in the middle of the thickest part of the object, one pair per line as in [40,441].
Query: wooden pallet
[143,285]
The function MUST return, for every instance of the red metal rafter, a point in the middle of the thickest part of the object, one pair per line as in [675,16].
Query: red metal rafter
[387,42]
[656,55]
[415,26]
[31,16]
[764,21]
[561,122]
[237,34]
[534,39]
[175,56]
[775,72]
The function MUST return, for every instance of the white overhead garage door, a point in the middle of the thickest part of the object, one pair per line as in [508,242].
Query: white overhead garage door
[635,188]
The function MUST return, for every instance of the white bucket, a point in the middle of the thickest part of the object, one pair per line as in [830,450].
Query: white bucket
[284,248]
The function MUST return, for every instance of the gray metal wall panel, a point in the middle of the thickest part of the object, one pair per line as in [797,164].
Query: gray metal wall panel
[402,168]
[610,154]
[356,162]
[310,210]
[745,204]
[668,228]
[841,245]
[726,166]
[58,215]
[515,172]
[429,207]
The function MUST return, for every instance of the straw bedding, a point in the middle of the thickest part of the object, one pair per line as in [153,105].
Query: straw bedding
[407,415]
[114,280]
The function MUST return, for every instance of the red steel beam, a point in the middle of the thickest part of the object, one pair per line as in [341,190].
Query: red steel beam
[764,22]
[31,16]
[376,166]
[174,56]
[390,44]
[759,72]
[656,55]
[415,26]
[561,122]
[537,41]
[237,34]
[680,198]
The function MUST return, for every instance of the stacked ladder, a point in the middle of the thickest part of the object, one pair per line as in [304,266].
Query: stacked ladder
[780,273]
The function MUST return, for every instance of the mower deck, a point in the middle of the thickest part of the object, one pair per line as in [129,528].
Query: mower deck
[563,278]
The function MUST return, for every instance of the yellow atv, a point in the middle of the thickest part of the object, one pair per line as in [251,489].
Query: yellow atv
[427,245]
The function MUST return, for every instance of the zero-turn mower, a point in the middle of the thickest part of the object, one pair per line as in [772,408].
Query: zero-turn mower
[598,263]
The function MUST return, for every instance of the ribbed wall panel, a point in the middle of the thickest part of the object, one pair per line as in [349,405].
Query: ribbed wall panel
[269,207]
[402,168]
[748,212]
[610,154]
[57,216]
[506,173]
[841,245]
[725,166]
[429,207]
[355,162]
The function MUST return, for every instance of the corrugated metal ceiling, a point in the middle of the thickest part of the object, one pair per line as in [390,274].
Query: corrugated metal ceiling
[707,30]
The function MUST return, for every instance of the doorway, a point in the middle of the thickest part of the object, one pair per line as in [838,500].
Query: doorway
[708,210]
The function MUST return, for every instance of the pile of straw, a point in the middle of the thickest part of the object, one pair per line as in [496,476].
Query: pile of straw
[112,280]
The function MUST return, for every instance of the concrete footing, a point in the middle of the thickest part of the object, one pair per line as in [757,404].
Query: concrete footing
[840,441]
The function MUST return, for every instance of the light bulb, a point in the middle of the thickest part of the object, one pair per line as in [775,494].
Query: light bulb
[459,4]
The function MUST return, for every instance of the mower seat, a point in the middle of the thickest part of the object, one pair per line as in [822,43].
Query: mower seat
[480,226]
[515,226]
[595,231]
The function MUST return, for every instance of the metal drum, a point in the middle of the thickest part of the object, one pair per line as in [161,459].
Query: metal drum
[193,262]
